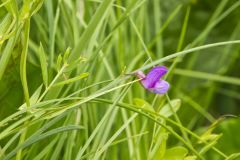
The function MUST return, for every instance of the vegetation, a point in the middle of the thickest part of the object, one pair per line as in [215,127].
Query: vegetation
[68,89]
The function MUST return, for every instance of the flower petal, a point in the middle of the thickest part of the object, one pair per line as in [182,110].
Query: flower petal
[154,76]
[160,87]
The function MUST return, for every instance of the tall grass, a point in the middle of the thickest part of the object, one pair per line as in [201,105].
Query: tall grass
[67,89]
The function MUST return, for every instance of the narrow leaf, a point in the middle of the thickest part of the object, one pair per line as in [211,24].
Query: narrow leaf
[43,62]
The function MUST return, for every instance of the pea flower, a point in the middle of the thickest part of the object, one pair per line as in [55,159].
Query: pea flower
[152,81]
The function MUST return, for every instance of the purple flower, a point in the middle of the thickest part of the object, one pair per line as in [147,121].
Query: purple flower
[152,81]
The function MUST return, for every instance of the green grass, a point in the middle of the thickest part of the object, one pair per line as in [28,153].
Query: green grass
[68,90]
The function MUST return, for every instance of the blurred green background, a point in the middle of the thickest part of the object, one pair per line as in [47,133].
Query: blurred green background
[125,37]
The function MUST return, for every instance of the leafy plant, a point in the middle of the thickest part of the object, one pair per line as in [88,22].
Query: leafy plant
[68,85]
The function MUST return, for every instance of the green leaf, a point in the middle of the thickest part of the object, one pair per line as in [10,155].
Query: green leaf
[5,28]
[166,109]
[66,55]
[53,114]
[46,149]
[36,6]
[33,99]
[7,52]
[175,153]
[208,76]
[208,135]
[71,80]
[234,156]
[59,62]
[87,35]
[143,104]
[41,137]
[43,62]
[11,6]
[23,61]
[160,145]
[190,158]
[75,64]
[230,141]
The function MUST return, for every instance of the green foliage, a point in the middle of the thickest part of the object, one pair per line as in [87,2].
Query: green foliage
[175,153]
[68,89]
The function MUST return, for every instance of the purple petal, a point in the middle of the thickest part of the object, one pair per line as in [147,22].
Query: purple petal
[154,76]
[160,87]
